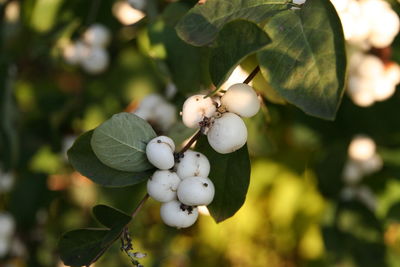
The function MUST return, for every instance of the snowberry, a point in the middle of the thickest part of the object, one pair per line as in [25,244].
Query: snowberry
[352,173]
[241,99]
[162,186]
[361,148]
[158,111]
[193,164]
[165,115]
[97,35]
[195,191]
[138,4]
[74,52]
[227,133]
[299,2]
[160,152]
[95,61]
[196,108]
[7,225]
[178,215]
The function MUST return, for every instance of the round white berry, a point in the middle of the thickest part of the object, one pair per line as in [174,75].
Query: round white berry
[165,115]
[160,152]
[138,4]
[97,35]
[178,215]
[162,186]
[241,99]
[196,108]
[196,191]
[361,148]
[227,133]
[193,164]
[96,60]
[7,225]
[299,2]
[75,52]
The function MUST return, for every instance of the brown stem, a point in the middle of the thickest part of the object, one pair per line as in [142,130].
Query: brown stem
[252,75]
[140,205]
[190,143]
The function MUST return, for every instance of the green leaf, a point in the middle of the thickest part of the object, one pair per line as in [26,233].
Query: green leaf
[306,62]
[83,159]
[187,65]
[230,174]
[83,247]
[120,142]
[202,23]
[235,41]
[394,212]
[110,217]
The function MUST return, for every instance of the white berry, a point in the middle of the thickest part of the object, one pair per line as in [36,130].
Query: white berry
[7,225]
[196,108]
[160,152]
[162,186]
[196,191]
[227,133]
[176,214]
[97,35]
[193,164]
[361,148]
[75,52]
[241,99]
[96,60]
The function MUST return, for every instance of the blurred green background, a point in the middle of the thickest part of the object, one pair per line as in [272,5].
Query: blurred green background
[299,210]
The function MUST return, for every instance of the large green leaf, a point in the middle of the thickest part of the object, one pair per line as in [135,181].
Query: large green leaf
[202,23]
[84,246]
[186,65]
[235,41]
[306,62]
[230,174]
[120,142]
[83,159]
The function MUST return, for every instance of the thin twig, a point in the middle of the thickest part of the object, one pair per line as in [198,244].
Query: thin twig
[140,205]
[190,143]
[252,75]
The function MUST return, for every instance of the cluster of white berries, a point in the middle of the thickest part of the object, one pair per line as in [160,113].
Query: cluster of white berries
[363,160]
[89,52]
[180,187]
[370,79]
[368,23]
[221,116]
[7,229]
[156,110]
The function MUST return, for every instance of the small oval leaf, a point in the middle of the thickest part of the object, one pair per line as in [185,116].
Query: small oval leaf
[110,217]
[120,142]
[82,247]
[83,159]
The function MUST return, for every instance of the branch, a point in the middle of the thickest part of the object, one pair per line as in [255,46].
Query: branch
[140,205]
[252,75]
[190,143]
